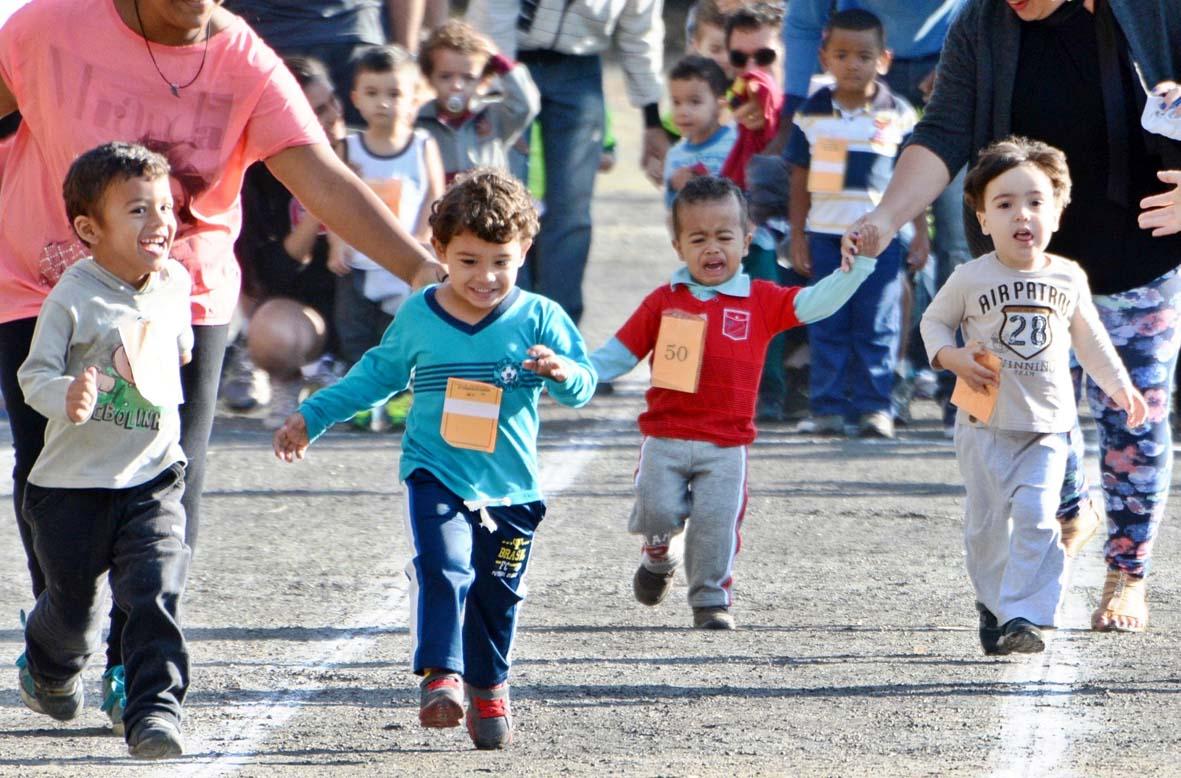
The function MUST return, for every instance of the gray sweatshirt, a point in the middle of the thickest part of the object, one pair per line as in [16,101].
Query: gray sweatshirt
[127,440]
[1030,319]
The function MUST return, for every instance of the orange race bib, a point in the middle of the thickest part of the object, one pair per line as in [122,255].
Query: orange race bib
[471,415]
[826,173]
[676,362]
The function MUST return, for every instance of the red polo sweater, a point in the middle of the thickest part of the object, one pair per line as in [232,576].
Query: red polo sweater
[736,334]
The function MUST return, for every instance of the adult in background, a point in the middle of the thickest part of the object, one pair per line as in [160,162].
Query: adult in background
[1066,73]
[194,82]
[562,43]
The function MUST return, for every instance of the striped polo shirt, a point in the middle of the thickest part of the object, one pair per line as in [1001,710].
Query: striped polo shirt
[874,136]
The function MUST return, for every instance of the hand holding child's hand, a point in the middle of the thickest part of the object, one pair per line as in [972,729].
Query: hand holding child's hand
[962,362]
[291,440]
[801,256]
[1134,404]
[82,395]
[545,363]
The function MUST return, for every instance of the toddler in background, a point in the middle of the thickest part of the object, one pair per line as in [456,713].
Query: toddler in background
[697,88]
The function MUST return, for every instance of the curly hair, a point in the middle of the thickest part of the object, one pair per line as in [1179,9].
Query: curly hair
[707,189]
[1002,156]
[488,203]
[455,35]
[94,171]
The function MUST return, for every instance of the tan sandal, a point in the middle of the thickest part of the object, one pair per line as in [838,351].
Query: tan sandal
[1124,596]
[1078,530]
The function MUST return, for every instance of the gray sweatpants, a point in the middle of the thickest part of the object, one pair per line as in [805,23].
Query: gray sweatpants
[1011,533]
[699,489]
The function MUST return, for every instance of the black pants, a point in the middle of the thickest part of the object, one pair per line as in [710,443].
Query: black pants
[137,534]
[198,379]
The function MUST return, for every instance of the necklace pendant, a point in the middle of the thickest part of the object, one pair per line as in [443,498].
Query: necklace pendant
[175,90]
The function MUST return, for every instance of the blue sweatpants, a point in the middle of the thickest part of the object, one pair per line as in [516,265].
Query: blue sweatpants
[853,351]
[466,580]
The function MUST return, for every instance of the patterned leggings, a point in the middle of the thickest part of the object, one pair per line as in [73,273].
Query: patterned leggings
[1136,466]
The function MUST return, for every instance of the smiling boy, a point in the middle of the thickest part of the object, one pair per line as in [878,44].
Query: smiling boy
[692,473]
[477,351]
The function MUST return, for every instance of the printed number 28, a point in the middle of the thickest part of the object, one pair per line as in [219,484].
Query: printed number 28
[1037,330]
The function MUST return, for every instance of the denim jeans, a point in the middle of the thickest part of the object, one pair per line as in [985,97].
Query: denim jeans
[571,122]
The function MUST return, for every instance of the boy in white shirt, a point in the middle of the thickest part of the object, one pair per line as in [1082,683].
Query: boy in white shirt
[1028,308]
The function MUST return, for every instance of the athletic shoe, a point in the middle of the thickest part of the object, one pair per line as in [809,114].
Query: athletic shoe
[1021,636]
[822,425]
[115,698]
[651,588]
[440,700]
[57,702]
[489,716]
[715,617]
[878,424]
[990,632]
[324,372]
[155,737]
[1079,529]
[284,402]
[244,386]
[397,409]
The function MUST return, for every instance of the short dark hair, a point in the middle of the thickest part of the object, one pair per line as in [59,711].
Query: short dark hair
[308,70]
[381,59]
[94,171]
[707,189]
[1002,156]
[703,12]
[455,35]
[488,203]
[754,17]
[703,69]
[855,20]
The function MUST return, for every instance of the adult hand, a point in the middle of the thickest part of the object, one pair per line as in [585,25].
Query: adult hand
[801,256]
[750,115]
[545,363]
[962,362]
[652,159]
[868,236]
[1162,213]
[927,85]
[1134,404]
[291,440]
[82,395]
[432,272]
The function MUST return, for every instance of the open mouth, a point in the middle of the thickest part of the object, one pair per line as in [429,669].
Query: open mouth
[157,246]
[713,265]
[1023,236]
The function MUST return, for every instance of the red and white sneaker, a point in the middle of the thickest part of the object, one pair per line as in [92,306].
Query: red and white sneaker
[440,702]
[489,716]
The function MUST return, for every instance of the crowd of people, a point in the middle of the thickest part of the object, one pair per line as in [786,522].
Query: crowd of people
[403,202]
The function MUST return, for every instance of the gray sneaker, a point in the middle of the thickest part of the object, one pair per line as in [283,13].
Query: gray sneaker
[714,617]
[284,402]
[57,702]
[822,425]
[244,386]
[440,700]
[155,737]
[489,716]
[876,425]
[651,588]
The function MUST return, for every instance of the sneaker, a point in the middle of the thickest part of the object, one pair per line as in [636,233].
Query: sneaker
[926,384]
[57,702]
[115,698]
[878,424]
[397,409]
[715,617]
[440,700]
[324,372]
[1079,529]
[284,402]
[155,737]
[822,425]
[244,386]
[990,632]
[900,397]
[489,716]
[651,588]
[1021,636]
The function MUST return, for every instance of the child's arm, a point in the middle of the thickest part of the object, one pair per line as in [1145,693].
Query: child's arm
[826,296]
[1098,357]
[612,360]
[561,358]
[938,327]
[47,389]
[522,100]
[798,205]
[434,190]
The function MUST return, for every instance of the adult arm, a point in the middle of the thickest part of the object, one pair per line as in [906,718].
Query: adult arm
[334,194]
[640,37]
[801,40]
[405,22]
[7,99]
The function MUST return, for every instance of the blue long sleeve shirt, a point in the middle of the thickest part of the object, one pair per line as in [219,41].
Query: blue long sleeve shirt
[423,348]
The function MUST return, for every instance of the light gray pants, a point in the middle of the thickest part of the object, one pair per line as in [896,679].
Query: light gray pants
[1011,533]
[699,489]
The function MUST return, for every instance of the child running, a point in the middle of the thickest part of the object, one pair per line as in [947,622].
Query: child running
[104,494]
[691,477]
[479,351]
[1028,308]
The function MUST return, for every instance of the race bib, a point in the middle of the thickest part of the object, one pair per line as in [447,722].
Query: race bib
[154,357]
[978,405]
[827,170]
[676,362]
[471,411]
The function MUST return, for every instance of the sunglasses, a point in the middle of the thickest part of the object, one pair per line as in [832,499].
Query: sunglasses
[763,58]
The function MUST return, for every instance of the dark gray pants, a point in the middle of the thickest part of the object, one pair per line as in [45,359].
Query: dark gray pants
[137,534]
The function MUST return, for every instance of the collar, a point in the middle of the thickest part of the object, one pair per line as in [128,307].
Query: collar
[737,286]
[882,100]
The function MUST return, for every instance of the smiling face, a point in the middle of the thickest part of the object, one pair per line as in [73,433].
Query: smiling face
[1032,10]
[712,238]
[386,100]
[1020,215]
[480,273]
[455,76]
[695,108]
[131,231]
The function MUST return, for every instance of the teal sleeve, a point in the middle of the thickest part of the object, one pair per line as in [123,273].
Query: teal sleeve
[383,371]
[612,359]
[826,296]
[563,337]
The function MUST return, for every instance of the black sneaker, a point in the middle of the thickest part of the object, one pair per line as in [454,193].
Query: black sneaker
[990,632]
[155,737]
[1022,636]
[651,588]
[714,617]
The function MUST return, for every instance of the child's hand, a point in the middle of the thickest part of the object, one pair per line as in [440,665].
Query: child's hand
[801,256]
[291,440]
[1134,404]
[82,395]
[545,363]
[681,176]
[962,362]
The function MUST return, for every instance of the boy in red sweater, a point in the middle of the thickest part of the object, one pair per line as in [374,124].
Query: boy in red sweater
[691,480]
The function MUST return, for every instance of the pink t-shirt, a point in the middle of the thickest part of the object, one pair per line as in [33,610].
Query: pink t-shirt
[82,78]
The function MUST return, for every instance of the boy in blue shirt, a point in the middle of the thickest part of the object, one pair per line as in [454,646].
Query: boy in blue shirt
[478,351]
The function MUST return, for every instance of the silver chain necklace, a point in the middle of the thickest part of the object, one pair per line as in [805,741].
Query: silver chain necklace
[172,85]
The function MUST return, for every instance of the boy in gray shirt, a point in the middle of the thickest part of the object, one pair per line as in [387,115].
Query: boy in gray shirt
[104,494]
